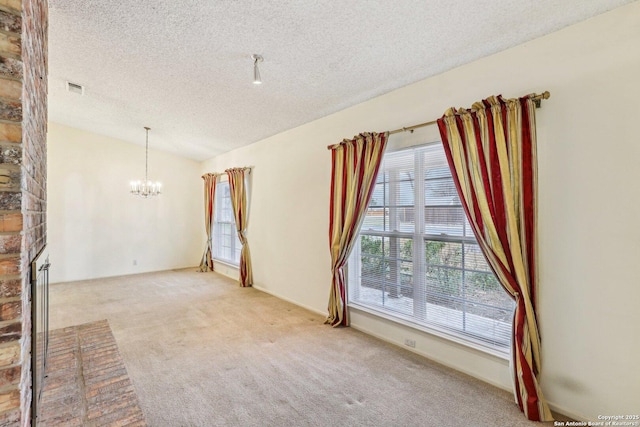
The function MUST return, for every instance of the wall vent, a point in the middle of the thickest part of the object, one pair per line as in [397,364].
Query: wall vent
[75,88]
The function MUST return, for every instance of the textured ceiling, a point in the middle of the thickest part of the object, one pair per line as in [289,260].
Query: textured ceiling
[184,68]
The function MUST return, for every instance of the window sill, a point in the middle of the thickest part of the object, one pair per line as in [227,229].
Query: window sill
[227,263]
[433,330]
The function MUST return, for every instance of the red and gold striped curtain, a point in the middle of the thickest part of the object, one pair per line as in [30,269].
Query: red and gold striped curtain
[237,187]
[354,167]
[209,199]
[491,151]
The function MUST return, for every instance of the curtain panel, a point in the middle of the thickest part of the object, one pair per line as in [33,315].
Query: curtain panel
[354,168]
[237,187]
[491,150]
[206,264]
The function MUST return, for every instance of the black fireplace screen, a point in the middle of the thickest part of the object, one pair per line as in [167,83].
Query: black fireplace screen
[39,327]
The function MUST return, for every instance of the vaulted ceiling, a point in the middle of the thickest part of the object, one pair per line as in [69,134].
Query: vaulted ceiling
[184,68]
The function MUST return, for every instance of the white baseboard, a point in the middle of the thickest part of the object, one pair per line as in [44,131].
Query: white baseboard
[567,413]
[266,291]
[430,357]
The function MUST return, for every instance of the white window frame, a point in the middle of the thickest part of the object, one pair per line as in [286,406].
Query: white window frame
[419,237]
[216,236]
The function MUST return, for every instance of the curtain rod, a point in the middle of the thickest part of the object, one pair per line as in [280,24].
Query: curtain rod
[216,174]
[537,99]
[249,168]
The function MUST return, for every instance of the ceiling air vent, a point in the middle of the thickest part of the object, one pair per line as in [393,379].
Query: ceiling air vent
[75,88]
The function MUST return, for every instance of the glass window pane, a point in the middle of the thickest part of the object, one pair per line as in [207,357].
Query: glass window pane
[439,172]
[441,192]
[487,296]
[474,259]
[446,254]
[377,197]
[237,246]
[444,283]
[225,238]
[402,193]
[401,219]
[374,219]
[382,176]
[452,286]
[371,245]
[386,220]
[447,221]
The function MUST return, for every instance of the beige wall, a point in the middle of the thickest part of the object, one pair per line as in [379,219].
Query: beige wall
[588,212]
[97,228]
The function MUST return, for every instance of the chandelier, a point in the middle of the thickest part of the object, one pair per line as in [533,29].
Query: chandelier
[146,188]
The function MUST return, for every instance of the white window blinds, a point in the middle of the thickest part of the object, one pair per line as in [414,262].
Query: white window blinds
[226,245]
[417,258]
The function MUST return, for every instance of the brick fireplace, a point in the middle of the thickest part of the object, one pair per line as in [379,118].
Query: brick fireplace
[23,127]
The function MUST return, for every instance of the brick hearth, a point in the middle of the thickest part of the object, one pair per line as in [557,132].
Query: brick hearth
[87,383]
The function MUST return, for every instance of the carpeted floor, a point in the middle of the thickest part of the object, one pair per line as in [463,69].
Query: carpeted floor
[201,351]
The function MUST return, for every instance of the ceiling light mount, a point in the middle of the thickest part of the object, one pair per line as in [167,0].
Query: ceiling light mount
[257,80]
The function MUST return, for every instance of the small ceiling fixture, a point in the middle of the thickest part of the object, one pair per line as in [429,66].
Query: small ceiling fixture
[256,72]
[146,188]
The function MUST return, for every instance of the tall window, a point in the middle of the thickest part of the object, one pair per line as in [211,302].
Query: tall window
[226,246]
[417,259]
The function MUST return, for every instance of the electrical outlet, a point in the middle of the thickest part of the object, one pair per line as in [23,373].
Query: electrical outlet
[410,343]
[135,262]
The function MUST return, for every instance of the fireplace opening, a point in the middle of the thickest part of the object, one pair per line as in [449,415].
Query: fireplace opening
[39,328]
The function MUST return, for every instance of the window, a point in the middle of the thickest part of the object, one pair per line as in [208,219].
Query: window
[226,245]
[417,259]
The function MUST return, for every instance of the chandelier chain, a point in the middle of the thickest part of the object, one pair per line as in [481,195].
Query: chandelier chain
[146,158]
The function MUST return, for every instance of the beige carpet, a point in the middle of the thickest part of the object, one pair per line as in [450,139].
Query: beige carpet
[201,351]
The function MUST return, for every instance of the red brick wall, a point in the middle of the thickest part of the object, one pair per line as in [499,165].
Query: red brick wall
[23,126]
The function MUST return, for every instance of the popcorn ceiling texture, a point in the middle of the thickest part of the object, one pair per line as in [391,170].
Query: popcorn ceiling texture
[185,69]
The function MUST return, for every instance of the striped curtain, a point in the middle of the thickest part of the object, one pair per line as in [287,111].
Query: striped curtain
[209,199]
[237,187]
[354,167]
[491,151]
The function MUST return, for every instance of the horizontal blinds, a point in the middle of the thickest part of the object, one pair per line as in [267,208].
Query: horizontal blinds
[393,199]
[226,245]
[444,214]
[417,258]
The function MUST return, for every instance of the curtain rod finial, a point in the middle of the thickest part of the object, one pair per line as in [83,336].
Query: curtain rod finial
[537,99]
